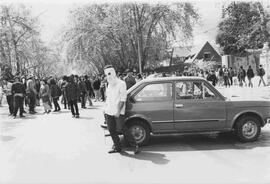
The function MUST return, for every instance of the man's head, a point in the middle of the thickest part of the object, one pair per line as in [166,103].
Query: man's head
[110,73]
[17,78]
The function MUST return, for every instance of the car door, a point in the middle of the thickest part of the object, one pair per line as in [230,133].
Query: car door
[197,107]
[154,102]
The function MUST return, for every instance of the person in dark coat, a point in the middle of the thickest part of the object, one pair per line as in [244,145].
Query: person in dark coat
[261,73]
[18,92]
[72,93]
[130,80]
[9,95]
[63,85]
[250,75]
[55,94]
[96,87]
[89,90]
[82,88]
[241,76]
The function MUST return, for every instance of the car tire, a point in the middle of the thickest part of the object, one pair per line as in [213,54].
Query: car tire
[248,129]
[140,131]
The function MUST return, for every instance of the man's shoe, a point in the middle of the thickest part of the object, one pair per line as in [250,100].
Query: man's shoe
[48,111]
[14,117]
[115,150]
[31,112]
[104,126]
[22,116]
[77,116]
[137,150]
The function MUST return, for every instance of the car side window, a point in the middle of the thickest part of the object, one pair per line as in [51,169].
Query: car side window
[208,93]
[192,90]
[155,92]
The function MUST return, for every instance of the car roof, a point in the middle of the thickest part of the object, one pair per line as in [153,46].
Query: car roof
[173,78]
[164,79]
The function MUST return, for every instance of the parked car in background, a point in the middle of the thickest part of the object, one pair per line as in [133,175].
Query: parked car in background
[190,105]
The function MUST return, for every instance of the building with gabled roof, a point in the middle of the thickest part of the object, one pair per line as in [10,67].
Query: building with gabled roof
[205,53]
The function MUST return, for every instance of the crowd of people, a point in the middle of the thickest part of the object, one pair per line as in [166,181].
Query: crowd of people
[27,92]
[22,92]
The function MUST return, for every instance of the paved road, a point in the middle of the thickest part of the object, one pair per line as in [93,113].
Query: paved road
[57,148]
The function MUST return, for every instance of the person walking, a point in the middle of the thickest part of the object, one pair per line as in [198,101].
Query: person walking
[55,94]
[231,75]
[250,75]
[9,95]
[18,92]
[96,87]
[89,90]
[115,107]
[226,77]
[130,80]
[1,91]
[31,94]
[103,88]
[82,88]
[45,96]
[72,93]
[241,76]
[37,86]
[64,97]
[220,76]
[261,73]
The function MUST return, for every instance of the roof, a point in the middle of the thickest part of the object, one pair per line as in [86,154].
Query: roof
[181,52]
[197,49]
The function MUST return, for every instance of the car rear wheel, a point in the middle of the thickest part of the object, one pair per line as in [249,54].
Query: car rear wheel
[248,129]
[140,131]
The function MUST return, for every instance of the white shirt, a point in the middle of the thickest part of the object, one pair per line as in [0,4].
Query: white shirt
[116,94]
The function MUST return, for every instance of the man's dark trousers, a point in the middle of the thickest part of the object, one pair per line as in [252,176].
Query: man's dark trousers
[10,103]
[111,123]
[18,103]
[32,102]
[72,104]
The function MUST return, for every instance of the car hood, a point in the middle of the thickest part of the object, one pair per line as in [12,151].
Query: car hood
[250,102]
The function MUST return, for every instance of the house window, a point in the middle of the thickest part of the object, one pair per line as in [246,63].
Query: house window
[206,55]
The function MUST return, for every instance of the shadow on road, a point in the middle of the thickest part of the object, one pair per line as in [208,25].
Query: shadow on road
[6,138]
[200,142]
[86,118]
[156,158]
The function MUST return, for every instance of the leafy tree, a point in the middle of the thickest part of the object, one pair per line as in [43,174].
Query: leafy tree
[123,34]
[21,48]
[243,27]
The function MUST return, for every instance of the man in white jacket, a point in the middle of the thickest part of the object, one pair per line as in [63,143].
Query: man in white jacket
[115,107]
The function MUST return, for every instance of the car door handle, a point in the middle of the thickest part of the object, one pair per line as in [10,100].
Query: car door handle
[179,105]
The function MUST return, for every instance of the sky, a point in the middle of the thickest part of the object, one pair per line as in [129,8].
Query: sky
[53,15]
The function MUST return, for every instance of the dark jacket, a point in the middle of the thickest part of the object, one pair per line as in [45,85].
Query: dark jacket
[88,85]
[96,84]
[71,91]
[17,87]
[55,91]
[250,73]
[130,81]
[82,87]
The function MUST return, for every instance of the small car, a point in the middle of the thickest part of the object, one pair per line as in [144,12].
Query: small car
[189,105]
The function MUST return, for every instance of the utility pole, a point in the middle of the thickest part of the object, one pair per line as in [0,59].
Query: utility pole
[139,54]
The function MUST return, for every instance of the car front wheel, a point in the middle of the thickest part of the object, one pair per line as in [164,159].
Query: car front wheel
[140,132]
[248,129]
